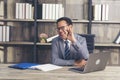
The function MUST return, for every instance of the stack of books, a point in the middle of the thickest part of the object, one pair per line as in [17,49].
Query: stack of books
[24,11]
[4,33]
[100,12]
[50,11]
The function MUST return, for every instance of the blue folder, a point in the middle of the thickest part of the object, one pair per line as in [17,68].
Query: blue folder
[22,65]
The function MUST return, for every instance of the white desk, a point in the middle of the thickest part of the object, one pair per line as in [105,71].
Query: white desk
[110,73]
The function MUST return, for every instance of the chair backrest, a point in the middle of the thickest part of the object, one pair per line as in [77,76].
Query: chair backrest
[90,41]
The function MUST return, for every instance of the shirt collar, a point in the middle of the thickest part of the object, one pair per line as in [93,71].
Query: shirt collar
[67,40]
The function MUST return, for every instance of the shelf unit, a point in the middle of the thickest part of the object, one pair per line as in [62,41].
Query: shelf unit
[36,26]
[107,30]
[17,34]
[9,19]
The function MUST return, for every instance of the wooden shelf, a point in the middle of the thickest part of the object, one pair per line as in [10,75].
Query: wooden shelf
[17,20]
[16,43]
[49,44]
[106,45]
[40,20]
[23,43]
[96,44]
[44,44]
[106,22]
[80,21]
[53,21]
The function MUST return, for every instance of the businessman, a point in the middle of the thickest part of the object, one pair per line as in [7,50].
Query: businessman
[68,49]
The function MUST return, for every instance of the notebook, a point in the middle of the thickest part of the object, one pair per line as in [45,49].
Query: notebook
[96,62]
[46,67]
[22,65]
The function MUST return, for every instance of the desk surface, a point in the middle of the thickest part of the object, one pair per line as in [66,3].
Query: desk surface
[110,73]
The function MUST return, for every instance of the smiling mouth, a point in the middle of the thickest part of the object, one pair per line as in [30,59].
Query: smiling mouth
[60,35]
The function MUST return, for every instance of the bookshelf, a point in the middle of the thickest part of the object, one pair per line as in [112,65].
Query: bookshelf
[24,32]
[16,49]
[106,31]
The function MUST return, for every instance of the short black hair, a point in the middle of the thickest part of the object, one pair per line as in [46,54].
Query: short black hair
[68,20]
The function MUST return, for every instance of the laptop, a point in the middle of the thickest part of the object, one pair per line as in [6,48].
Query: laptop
[96,62]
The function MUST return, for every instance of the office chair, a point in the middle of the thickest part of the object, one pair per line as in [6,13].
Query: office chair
[90,41]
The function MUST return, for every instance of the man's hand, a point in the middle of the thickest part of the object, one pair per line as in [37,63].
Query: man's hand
[70,35]
[80,63]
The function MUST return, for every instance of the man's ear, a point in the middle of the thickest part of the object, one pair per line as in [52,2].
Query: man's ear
[70,26]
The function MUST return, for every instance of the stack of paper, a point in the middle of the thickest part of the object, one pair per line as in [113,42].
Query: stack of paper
[46,67]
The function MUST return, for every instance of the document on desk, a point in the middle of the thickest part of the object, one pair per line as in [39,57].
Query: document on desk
[46,67]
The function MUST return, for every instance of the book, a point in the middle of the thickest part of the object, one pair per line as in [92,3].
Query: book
[85,11]
[47,11]
[60,11]
[1,11]
[51,38]
[57,8]
[39,11]
[43,11]
[105,12]
[7,33]
[97,12]
[117,40]
[1,33]
[45,67]
[20,10]
[17,10]
[22,65]
[27,13]
[50,11]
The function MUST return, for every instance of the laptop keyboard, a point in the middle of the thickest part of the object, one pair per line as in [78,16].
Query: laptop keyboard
[78,69]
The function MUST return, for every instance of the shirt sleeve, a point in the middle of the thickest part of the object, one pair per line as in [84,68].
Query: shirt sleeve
[81,47]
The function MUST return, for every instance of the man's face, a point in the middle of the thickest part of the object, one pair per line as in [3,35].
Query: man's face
[62,29]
